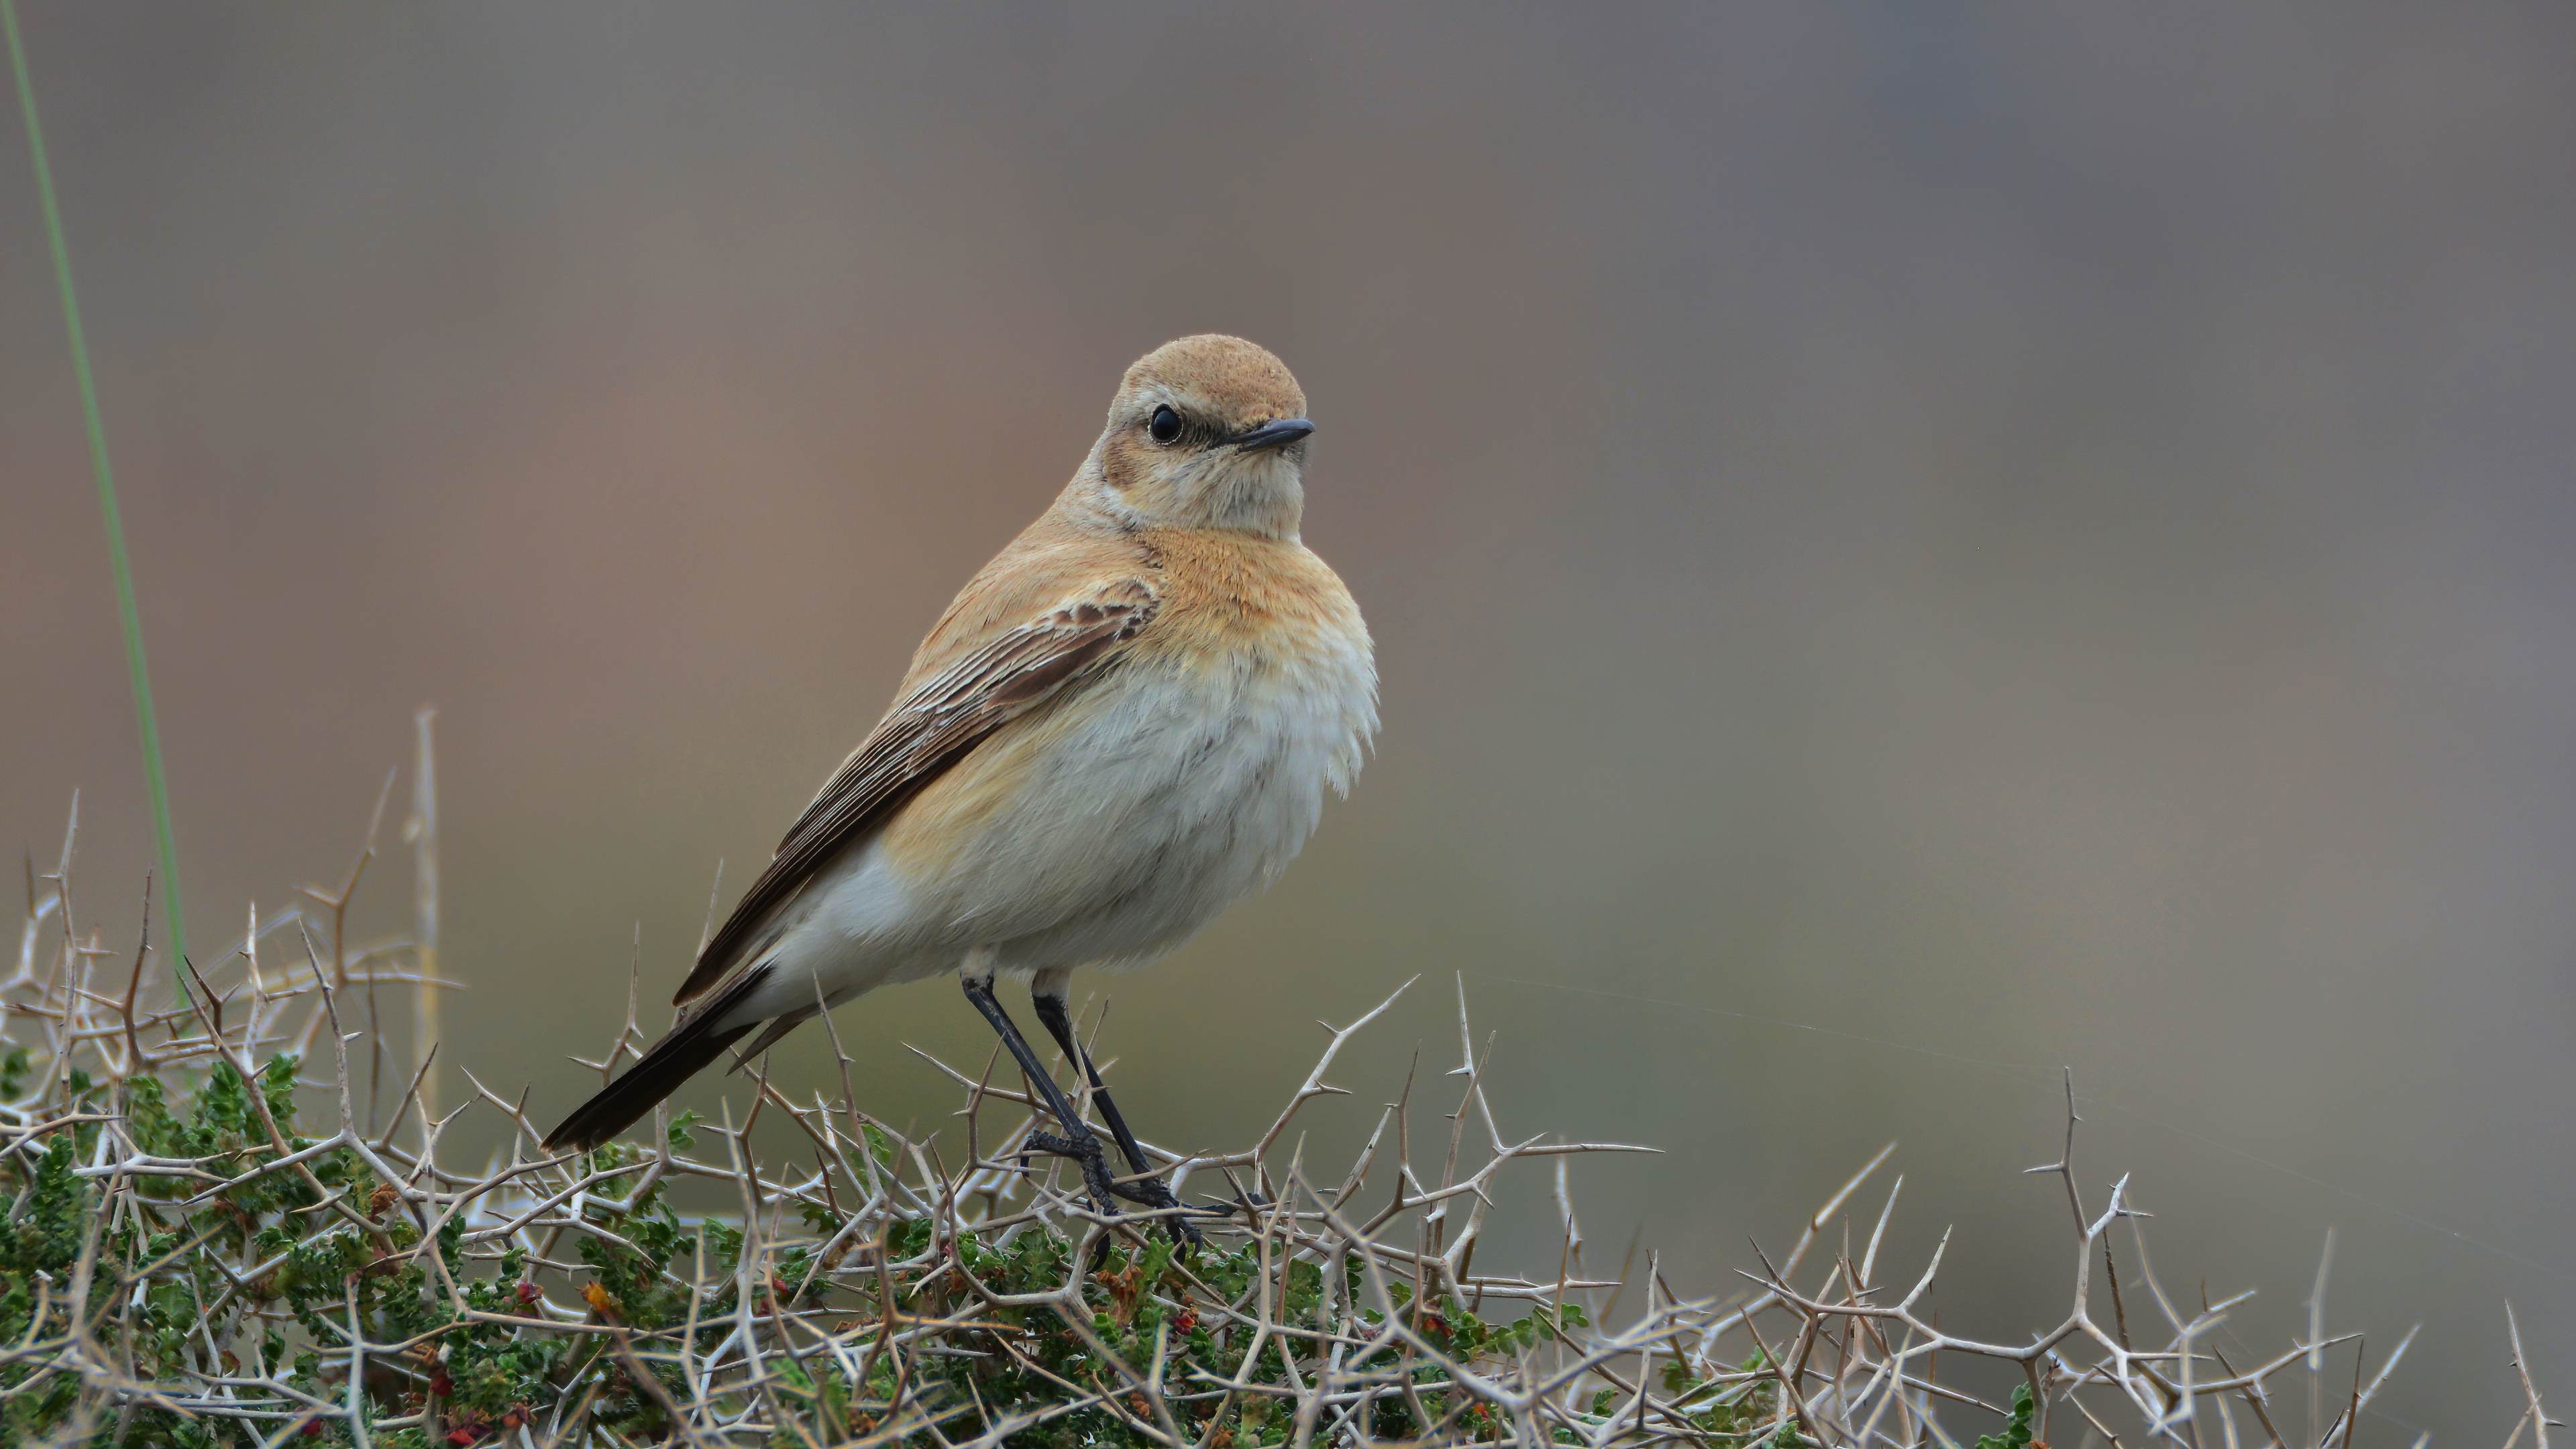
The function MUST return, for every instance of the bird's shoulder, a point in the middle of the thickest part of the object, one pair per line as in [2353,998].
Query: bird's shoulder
[1049,568]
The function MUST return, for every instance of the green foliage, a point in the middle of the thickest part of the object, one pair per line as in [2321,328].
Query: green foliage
[1742,1412]
[243,1264]
[2016,1434]
[680,1137]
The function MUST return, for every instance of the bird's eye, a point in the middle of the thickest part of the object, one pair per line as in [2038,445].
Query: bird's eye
[1165,424]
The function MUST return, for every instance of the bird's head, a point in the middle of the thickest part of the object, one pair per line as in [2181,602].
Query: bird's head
[1206,432]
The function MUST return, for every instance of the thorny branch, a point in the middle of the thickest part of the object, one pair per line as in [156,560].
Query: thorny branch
[862,1288]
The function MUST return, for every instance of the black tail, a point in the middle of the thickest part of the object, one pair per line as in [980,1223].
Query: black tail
[678,1056]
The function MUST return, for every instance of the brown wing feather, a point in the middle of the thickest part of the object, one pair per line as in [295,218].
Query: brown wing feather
[927,731]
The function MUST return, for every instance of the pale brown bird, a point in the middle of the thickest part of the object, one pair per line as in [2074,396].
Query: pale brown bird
[1126,722]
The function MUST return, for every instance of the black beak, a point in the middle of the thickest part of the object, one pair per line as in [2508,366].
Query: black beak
[1272,435]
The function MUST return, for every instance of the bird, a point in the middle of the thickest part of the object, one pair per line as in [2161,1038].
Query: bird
[1124,723]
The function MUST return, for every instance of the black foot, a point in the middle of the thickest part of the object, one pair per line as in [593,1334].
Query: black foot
[1084,1149]
[1106,1191]
[1153,1192]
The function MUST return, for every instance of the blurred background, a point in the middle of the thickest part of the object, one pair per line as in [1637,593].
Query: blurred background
[1908,549]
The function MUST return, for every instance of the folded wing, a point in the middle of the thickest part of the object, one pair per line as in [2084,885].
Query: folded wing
[928,730]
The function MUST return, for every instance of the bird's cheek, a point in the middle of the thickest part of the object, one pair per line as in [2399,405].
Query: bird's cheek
[1120,467]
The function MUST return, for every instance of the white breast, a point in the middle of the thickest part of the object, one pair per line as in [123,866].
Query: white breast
[1155,798]
[1184,791]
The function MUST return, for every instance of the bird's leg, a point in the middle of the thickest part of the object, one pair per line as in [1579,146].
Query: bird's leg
[1149,1189]
[1059,1024]
[1079,1142]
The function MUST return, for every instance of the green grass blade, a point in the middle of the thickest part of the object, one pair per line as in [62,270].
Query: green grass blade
[148,724]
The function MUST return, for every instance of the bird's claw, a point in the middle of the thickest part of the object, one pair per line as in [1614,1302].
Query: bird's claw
[1054,1146]
[1154,1193]
[1083,1148]
[1107,1191]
